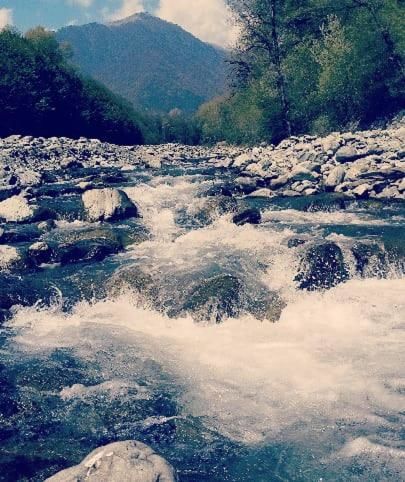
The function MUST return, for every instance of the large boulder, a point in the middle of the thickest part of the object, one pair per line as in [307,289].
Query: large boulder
[215,299]
[226,296]
[322,267]
[108,205]
[119,462]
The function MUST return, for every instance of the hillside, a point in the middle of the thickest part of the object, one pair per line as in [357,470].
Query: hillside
[154,64]
[41,95]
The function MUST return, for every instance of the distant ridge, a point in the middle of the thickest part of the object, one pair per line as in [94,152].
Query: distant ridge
[156,65]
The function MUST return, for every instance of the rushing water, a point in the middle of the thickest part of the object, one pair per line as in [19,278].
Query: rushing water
[319,395]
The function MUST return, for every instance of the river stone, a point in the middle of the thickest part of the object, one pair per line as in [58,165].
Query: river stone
[108,205]
[40,253]
[9,257]
[16,209]
[215,299]
[249,216]
[335,177]
[322,267]
[119,462]
[347,154]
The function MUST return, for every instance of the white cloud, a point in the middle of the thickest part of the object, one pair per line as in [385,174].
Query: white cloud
[128,8]
[209,20]
[81,3]
[6,17]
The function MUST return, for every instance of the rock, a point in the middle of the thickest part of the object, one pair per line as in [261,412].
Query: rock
[243,160]
[89,246]
[71,163]
[347,154]
[40,253]
[369,256]
[335,177]
[226,296]
[249,216]
[218,190]
[294,242]
[362,190]
[279,181]
[131,278]
[28,177]
[9,257]
[208,209]
[128,461]
[263,192]
[322,267]
[47,225]
[215,299]
[16,209]
[108,205]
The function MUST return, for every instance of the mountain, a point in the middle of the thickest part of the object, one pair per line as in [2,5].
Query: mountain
[154,64]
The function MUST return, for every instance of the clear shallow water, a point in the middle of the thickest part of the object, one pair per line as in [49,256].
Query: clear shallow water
[318,395]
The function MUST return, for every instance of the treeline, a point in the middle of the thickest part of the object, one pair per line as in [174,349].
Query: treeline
[309,66]
[41,95]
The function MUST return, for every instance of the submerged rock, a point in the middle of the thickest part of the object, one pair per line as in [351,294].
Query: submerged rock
[119,462]
[322,267]
[108,205]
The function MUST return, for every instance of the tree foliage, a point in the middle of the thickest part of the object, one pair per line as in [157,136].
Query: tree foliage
[41,95]
[310,66]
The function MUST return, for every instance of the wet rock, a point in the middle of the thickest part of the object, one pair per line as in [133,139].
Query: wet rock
[220,190]
[131,278]
[226,296]
[294,242]
[14,290]
[210,208]
[128,461]
[215,299]
[40,253]
[47,225]
[370,259]
[249,216]
[9,257]
[108,205]
[87,246]
[322,267]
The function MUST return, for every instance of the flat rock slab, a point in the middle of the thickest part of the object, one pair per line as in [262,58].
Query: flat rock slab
[119,462]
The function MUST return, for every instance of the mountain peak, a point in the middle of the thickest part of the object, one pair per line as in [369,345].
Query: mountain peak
[132,19]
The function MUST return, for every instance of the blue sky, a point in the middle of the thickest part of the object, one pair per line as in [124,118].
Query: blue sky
[207,19]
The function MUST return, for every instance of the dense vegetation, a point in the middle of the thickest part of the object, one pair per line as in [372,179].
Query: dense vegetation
[310,66]
[41,95]
[154,64]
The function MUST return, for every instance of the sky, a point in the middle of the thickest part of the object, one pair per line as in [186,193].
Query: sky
[208,20]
